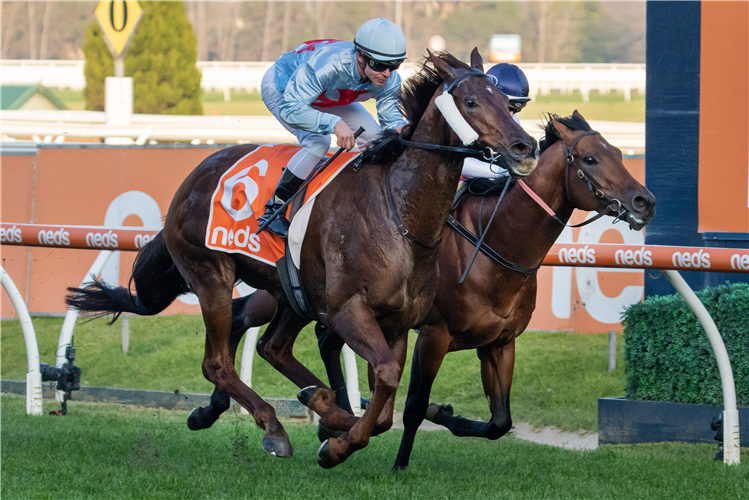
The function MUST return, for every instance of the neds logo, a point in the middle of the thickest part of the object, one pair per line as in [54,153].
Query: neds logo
[740,262]
[583,255]
[699,259]
[59,237]
[10,235]
[99,240]
[244,238]
[142,239]
[638,257]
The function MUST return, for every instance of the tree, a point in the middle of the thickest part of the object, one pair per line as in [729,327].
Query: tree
[161,60]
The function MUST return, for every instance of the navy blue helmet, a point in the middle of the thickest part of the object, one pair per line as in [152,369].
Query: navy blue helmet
[512,82]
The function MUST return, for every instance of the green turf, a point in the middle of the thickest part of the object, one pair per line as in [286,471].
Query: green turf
[109,451]
[558,376]
[607,107]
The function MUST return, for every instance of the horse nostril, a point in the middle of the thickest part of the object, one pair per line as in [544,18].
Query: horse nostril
[519,151]
[640,203]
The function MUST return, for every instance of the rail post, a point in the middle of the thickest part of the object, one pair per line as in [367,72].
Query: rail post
[34,376]
[731,450]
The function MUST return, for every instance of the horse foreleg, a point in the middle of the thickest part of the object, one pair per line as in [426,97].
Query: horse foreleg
[356,324]
[497,364]
[250,311]
[432,344]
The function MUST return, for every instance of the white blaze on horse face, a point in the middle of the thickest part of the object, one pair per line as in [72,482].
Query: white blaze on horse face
[489,88]
[251,190]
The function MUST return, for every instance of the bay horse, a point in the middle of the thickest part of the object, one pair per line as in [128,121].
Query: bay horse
[495,303]
[367,265]
[578,169]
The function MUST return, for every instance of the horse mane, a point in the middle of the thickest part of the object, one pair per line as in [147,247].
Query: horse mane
[415,94]
[572,122]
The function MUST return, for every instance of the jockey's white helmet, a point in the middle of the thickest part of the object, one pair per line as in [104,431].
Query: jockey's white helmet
[381,40]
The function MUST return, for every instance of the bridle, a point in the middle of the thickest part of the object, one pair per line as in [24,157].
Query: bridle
[614,205]
[486,154]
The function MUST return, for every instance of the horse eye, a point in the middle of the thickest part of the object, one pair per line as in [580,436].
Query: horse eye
[470,103]
[589,160]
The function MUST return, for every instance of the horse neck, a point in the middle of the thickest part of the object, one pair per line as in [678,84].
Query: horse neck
[522,231]
[423,183]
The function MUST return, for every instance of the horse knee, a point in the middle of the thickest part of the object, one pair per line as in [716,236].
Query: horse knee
[387,376]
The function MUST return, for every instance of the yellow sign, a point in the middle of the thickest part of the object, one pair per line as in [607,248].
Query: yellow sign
[118,20]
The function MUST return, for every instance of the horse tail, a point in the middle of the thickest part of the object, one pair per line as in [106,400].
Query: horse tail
[157,283]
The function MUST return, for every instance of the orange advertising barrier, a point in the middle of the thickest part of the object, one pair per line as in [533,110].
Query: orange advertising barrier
[733,260]
[82,237]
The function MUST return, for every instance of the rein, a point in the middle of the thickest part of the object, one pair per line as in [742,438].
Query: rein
[485,154]
[399,223]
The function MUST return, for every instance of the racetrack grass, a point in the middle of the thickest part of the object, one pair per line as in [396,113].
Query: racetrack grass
[558,376]
[605,107]
[111,451]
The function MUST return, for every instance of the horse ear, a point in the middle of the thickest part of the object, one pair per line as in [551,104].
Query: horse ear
[443,69]
[561,128]
[476,61]
[576,114]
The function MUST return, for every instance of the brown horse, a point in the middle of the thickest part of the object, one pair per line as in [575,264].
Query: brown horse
[577,169]
[494,305]
[368,261]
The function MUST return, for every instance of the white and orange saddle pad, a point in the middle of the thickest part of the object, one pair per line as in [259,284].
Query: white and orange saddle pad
[240,199]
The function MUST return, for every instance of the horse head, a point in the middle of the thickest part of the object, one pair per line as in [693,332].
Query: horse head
[478,115]
[596,178]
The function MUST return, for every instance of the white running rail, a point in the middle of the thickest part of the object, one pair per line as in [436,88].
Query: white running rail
[237,76]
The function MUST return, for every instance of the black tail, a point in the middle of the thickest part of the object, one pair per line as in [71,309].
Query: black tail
[157,283]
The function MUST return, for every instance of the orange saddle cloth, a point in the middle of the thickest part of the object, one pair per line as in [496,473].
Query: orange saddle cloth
[240,199]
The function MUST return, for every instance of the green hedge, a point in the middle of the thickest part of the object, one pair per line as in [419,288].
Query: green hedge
[668,354]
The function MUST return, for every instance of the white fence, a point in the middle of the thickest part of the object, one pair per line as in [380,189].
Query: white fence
[47,126]
[246,76]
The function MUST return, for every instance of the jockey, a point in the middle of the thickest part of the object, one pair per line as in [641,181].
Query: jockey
[511,81]
[316,89]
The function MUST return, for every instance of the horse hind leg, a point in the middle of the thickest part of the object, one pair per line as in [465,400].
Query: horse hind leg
[211,277]
[249,311]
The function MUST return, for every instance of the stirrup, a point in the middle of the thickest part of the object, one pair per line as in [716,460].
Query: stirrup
[278,226]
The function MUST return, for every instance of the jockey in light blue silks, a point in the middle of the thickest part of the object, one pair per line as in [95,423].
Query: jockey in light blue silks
[511,81]
[316,89]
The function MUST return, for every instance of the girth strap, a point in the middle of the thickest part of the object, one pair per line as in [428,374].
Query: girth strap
[487,250]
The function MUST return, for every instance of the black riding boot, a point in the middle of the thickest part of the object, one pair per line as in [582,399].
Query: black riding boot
[285,189]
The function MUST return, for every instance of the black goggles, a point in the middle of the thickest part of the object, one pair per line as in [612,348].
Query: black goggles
[516,106]
[380,66]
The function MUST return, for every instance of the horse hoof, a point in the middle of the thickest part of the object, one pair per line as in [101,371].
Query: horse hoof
[278,446]
[193,420]
[434,409]
[306,394]
[399,468]
[323,456]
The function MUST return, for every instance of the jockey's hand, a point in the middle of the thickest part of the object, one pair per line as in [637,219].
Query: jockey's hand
[344,135]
